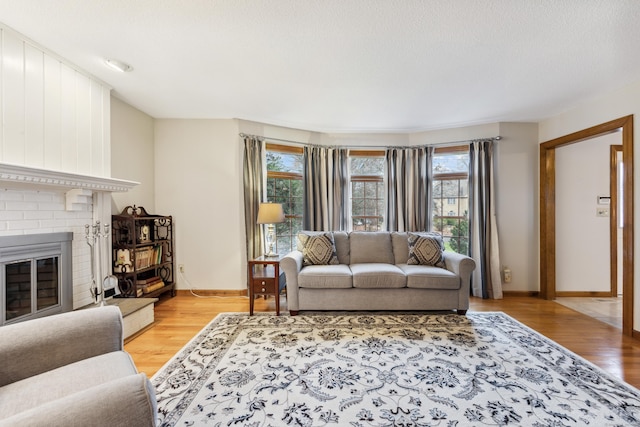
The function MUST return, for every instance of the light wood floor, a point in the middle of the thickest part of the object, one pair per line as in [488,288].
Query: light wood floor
[180,318]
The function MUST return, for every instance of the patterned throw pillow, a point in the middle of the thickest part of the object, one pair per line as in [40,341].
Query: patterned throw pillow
[318,249]
[426,249]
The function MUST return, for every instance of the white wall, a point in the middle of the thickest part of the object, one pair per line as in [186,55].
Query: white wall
[132,155]
[53,115]
[444,136]
[619,103]
[582,238]
[198,180]
[517,204]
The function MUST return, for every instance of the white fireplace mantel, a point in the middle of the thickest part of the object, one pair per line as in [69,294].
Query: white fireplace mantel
[25,176]
[79,189]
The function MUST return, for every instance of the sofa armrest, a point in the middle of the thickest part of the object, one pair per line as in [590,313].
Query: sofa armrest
[127,401]
[463,266]
[459,264]
[291,264]
[39,345]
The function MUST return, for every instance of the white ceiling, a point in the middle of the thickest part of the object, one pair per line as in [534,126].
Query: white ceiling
[345,65]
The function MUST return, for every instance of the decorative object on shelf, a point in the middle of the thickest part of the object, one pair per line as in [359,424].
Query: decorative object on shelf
[143,252]
[144,234]
[96,236]
[270,214]
[122,263]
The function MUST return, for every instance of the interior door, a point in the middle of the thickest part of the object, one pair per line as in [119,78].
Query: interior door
[548,211]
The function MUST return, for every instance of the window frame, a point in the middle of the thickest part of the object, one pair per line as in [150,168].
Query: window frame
[381,218]
[451,176]
[289,218]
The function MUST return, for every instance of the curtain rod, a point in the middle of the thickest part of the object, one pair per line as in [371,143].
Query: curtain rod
[262,138]
[378,147]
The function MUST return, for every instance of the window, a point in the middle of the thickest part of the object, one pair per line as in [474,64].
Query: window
[284,185]
[450,211]
[367,190]
[451,197]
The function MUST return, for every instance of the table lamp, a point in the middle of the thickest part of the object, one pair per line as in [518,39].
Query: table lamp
[270,214]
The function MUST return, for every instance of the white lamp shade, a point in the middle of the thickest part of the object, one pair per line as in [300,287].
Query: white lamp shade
[270,213]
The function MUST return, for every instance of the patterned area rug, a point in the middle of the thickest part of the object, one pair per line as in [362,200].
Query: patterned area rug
[361,370]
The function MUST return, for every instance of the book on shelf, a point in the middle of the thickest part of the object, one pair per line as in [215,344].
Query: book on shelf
[149,256]
[149,284]
[142,258]
[151,287]
[148,280]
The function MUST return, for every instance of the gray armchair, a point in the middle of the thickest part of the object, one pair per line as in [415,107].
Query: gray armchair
[71,370]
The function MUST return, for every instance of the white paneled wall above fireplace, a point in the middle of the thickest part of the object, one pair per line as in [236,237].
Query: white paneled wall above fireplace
[54,116]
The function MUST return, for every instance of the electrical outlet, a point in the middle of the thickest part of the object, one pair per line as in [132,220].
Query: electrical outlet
[507,274]
[181,268]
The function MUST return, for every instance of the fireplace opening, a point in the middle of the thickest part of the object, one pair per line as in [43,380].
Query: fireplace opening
[35,276]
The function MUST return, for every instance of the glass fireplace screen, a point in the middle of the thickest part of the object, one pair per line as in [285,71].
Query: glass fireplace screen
[31,285]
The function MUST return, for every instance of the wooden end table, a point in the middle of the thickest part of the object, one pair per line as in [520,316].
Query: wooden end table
[265,278]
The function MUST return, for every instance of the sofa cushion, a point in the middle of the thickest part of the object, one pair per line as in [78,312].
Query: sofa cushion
[300,243]
[371,247]
[318,249]
[57,383]
[400,247]
[341,239]
[325,276]
[377,275]
[429,277]
[426,249]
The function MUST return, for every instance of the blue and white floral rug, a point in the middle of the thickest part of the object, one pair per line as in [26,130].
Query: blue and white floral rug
[362,370]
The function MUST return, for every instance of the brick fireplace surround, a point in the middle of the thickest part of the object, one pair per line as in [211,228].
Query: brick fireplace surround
[40,201]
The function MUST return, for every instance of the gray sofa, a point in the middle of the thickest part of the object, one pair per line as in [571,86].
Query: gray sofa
[373,274]
[70,370]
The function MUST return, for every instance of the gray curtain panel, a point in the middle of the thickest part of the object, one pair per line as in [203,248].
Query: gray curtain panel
[409,196]
[326,185]
[486,281]
[254,189]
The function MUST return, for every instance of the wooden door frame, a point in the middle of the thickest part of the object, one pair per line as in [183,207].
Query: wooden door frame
[613,217]
[548,211]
